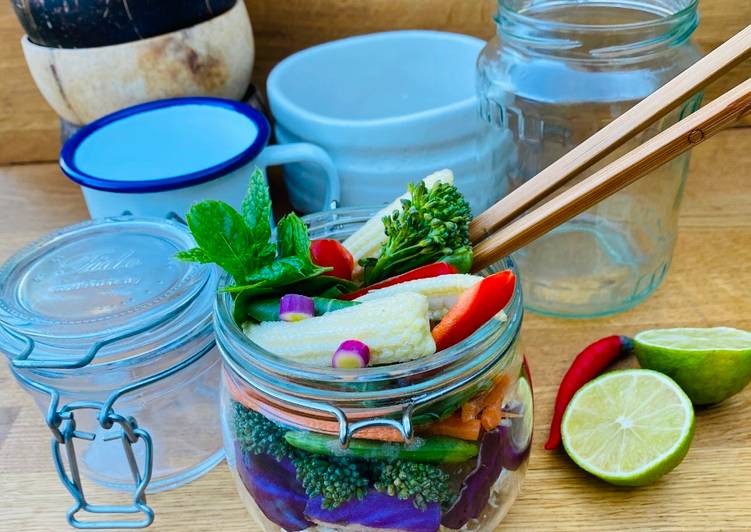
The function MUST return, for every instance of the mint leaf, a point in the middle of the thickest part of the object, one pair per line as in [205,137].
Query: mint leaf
[240,243]
[323,286]
[256,211]
[221,233]
[273,278]
[280,273]
[193,255]
[292,234]
[285,270]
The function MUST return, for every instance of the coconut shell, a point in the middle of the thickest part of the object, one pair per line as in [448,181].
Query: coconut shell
[89,23]
[214,58]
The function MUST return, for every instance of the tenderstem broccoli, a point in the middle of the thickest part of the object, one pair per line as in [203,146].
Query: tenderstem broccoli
[432,225]
[258,435]
[336,479]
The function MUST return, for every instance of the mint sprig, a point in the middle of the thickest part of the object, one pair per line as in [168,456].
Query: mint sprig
[241,244]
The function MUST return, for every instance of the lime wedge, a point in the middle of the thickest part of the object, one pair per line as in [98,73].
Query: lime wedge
[628,427]
[709,364]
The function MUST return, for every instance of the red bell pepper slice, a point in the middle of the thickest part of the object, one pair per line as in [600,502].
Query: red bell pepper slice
[423,272]
[474,308]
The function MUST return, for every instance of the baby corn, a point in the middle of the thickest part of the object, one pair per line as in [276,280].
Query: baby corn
[396,329]
[442,292]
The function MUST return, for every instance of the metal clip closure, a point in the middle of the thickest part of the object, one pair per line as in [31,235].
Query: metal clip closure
[347,429]
[23,360]
[61,422]
[129,434]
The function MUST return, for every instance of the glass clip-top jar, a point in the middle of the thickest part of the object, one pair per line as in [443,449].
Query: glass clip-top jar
[326,449]
[112,337]
[556,73]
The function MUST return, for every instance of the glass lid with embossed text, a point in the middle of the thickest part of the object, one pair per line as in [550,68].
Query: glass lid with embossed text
[99,283]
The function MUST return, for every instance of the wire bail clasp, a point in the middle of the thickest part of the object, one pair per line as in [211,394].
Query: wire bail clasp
[129,434]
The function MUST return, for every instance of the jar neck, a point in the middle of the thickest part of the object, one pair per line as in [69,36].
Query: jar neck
[598,31]
[375,387]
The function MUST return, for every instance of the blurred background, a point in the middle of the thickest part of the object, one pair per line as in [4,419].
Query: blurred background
[29,129]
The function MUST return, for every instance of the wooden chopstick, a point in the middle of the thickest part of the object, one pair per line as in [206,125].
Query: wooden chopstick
[614,135]
[692,130]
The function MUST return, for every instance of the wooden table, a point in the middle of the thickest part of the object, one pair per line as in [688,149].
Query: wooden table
[708,285]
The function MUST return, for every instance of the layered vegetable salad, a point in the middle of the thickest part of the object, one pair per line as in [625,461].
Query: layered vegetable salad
[397,290]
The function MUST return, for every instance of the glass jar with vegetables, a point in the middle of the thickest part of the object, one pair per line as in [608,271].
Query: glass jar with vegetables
[393,396]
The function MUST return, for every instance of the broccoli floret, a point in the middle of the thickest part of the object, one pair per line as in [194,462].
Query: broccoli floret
[425,483]
[336,479]
[433,225]
[258,435]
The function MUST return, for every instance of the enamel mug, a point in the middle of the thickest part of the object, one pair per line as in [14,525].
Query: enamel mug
[158,158]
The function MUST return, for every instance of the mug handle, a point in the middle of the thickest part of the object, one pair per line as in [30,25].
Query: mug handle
[304,152]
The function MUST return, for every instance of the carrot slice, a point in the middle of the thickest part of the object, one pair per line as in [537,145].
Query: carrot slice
[471,409]
[495,395]
[454,427]
[295,420]
[491,417]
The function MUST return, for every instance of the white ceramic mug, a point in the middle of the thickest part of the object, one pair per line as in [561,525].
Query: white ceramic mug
[158,158]
[389,108]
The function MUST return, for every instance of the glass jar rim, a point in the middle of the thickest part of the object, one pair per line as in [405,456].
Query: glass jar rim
[506,7]
[623,40]
[252,361]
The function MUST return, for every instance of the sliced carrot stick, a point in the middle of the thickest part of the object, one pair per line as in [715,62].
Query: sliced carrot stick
[491,417]
[295,420]
[495,395]
[471,409]
[454,427]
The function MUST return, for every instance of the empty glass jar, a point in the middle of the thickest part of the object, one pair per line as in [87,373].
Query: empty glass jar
[113,338]
[558,71]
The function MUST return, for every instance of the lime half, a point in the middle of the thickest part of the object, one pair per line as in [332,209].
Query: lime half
[709,364]
[628,427]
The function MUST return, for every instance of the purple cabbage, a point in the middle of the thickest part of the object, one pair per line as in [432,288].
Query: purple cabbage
[475,491]
[275,489]
[512,456]
[499,449]
[377,510]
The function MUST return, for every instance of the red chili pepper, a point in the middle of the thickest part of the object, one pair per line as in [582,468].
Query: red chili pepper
[423,272]
[586,366]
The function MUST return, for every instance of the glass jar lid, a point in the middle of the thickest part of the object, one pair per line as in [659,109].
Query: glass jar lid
[98,281]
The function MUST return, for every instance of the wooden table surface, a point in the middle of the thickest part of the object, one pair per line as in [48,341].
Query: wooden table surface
[708,285]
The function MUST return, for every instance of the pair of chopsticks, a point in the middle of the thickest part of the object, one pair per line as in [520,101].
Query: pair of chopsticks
[501,230]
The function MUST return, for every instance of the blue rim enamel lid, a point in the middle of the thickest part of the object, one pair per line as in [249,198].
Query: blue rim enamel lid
[97,281]
[165,145]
